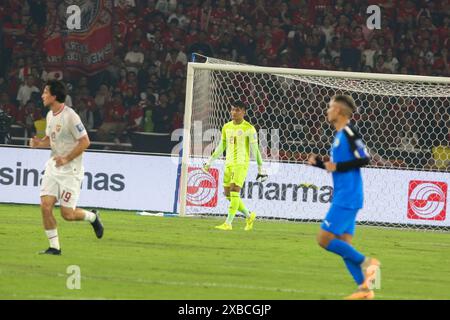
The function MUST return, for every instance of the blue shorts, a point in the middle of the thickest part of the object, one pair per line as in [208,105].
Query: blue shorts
[340,220]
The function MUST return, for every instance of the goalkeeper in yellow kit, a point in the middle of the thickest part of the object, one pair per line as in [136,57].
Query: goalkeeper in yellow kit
[238,137]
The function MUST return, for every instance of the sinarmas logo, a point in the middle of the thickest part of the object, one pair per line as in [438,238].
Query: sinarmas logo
[427,200]
[202,187]
[21,176]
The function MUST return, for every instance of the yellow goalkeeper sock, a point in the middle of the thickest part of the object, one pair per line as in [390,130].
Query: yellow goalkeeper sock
[234,205]
[243,209]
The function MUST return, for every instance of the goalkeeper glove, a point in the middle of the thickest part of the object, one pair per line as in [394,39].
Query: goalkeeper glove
[262,175]
[206,166]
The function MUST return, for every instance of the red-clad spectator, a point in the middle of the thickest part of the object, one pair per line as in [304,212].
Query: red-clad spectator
[135,118]
[87,98]
[129,82]
[406,11]
[215,37]
[114,113]
[358,40]
[220,12]
[237,15]
[132,22]
[194,11]
[444,30]
[178,117]
[14,31]
[150,9]
[144,44]
[309,61]
[121,7]
[278,34]
[25,69]
[172,34]
[267,47]
[259,12]
[303,17]
[342,30]
[192,36]
[34,38]
[435,43]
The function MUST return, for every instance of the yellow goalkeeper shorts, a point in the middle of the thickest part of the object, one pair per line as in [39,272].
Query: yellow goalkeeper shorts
[235,174]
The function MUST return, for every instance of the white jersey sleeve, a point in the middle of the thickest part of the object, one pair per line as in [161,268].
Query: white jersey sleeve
[76,127]
[48,130]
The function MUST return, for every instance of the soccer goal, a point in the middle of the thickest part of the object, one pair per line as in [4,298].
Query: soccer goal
[403,119]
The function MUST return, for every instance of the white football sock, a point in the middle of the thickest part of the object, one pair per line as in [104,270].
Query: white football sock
[52,236]
[89,216]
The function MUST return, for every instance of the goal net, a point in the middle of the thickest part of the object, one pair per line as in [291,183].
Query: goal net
[404,121]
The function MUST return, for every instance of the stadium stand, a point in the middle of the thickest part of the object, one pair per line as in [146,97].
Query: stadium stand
[143,89]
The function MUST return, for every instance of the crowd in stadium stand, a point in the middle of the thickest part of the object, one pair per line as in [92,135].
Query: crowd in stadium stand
[144,86]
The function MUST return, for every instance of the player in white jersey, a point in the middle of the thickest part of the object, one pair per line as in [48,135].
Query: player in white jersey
[64,172]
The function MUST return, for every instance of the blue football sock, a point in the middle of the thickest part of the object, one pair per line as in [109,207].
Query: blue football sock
[356,271]
[345,250]
[351,256]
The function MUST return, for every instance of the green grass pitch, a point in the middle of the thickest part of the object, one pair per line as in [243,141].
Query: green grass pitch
[185,258]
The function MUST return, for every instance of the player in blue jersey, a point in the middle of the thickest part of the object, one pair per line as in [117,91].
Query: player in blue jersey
[348,155]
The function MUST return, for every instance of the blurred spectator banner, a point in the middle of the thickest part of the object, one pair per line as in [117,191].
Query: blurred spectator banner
[87,50]
[55,51]
[90,48]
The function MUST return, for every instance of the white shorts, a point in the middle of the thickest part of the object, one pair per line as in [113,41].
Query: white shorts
[66,189]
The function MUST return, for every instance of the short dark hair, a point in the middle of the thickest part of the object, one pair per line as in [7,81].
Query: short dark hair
[345,99]
[57,89]
[239,104]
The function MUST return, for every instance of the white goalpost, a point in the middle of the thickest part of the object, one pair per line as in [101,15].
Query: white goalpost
[403,119]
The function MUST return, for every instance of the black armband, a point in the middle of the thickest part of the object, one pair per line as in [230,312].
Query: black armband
[319,163]
[353,164]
